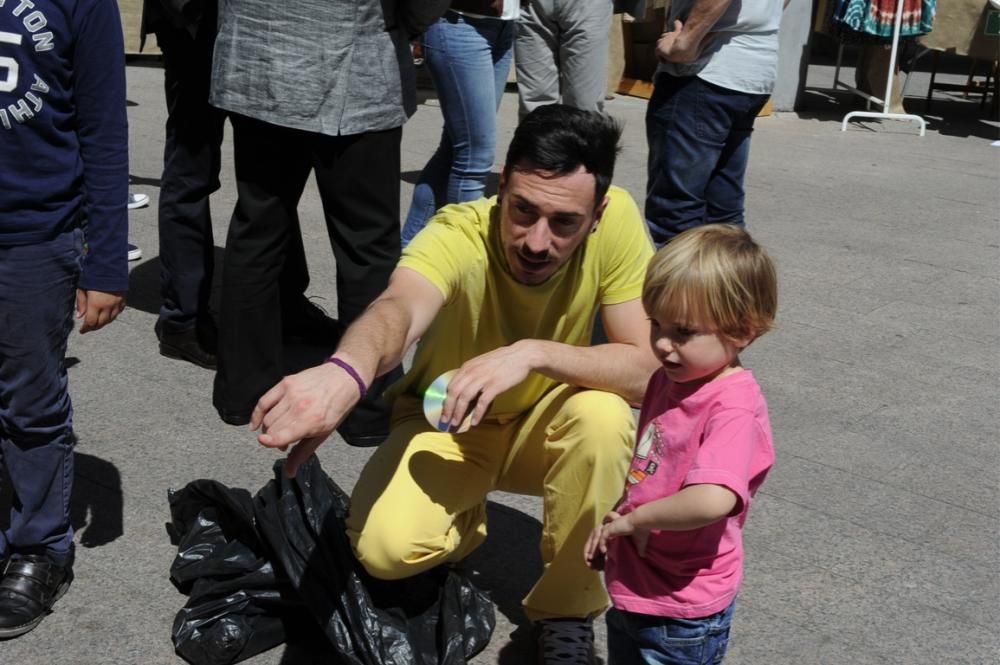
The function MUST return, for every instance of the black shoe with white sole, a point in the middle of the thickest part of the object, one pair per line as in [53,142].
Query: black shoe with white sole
[31,584]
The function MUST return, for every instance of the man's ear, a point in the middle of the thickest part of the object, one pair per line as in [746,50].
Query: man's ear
[599,213]
[502,184]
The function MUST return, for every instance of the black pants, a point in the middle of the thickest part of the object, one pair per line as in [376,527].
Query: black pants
[358,179]
[191,165]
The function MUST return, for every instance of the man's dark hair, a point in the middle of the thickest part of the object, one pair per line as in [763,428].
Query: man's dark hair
[561,139]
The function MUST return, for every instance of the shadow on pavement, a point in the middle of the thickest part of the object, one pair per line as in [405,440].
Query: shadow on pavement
[96,508]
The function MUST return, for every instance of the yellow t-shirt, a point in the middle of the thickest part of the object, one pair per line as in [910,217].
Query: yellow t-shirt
[485,308]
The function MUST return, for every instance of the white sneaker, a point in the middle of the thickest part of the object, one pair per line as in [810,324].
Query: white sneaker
[137,200]
[134,253]
[566,641]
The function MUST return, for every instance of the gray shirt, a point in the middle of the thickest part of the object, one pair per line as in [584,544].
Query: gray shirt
[743,56]
[333,67]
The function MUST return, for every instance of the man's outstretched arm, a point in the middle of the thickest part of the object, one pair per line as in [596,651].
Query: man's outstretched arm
[622,366]
[303,409]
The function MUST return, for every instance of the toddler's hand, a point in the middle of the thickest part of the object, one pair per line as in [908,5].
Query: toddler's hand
[614,525]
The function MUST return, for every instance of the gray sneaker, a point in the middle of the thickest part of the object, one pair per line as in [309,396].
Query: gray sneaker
[134,253]
[565,641]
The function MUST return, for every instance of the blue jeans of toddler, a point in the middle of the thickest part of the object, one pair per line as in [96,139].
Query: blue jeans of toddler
[637,639]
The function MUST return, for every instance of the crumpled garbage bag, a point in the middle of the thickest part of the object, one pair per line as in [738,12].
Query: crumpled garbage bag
[253,568]
[238,606]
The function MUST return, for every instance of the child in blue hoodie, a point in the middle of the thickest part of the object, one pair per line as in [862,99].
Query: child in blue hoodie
[63,226]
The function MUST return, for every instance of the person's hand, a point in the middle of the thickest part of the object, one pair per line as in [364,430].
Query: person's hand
[615,525]
[479,380]
[98,308]
[302,410]
[677,47]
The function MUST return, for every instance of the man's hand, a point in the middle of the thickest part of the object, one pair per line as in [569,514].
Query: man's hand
[614,526]
[98,308]
[303,410]
[678,47]
[482,378]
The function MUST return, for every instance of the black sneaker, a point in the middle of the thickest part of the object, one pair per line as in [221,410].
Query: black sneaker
[31,584]
[569,641]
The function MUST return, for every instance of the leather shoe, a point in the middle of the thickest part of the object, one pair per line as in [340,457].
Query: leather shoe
[186,345]
[31,584]
[305,322]
[233,417]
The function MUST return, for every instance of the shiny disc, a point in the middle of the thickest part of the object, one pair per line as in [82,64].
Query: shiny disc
[434,398]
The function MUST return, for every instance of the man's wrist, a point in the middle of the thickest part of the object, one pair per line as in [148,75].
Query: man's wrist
[350,370]
[532,352]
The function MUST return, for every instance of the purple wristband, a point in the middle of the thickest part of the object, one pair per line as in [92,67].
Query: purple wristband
[353,373]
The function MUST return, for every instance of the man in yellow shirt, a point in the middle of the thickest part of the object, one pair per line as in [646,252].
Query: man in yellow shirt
[506,291]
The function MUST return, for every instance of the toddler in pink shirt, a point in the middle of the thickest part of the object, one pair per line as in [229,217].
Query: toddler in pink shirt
[672,548]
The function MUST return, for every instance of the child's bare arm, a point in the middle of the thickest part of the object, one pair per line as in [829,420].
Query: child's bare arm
[693,507]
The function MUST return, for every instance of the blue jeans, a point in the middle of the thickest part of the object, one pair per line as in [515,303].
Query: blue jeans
[37,296]
[468,59]
[637,639]
[699,142]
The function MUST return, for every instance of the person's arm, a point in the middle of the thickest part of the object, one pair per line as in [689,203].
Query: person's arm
[622,366]
[688,38]
[307,407]
[694,507]
[102,130]
[415,16]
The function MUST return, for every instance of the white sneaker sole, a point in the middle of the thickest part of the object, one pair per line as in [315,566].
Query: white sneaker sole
[137,201]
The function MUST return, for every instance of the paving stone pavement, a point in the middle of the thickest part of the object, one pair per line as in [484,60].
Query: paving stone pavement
[875,539]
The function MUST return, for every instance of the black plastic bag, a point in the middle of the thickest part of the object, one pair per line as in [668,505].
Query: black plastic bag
[237,606]
[437,618]
[280,568]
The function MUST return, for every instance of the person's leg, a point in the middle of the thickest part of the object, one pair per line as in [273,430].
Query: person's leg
[672,641]
[37,297]
[573,449]
[621,647]
[191,164]
[686,130]
[725,196]
[358,179]
[536,50]
[459,53]
[583,52]
[272,165]
[479,74]
[408,513]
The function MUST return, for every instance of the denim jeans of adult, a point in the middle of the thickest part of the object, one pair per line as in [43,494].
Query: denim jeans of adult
[641,639]
[698,136]
[468,59]
[37,294]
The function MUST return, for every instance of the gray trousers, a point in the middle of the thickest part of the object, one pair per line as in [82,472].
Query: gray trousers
[561,53]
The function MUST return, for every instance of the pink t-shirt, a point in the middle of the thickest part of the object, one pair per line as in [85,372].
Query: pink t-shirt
[717,433]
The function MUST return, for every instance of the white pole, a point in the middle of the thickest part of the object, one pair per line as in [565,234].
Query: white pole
[887,100]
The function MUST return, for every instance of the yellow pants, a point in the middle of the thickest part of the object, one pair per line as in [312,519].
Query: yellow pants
[421,499]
